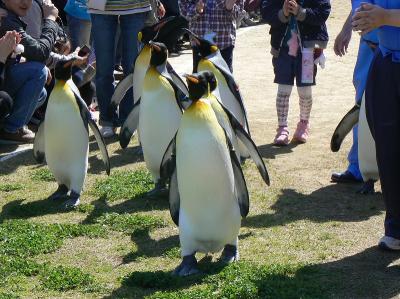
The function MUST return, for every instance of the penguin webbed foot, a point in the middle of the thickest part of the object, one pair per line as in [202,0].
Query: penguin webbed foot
[73,200]
[61,192]
[160,190]
[367,188]
[230,254]
[187,267]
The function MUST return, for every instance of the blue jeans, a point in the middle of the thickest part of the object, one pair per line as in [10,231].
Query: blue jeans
[104,29]
[79,31]
[25,84]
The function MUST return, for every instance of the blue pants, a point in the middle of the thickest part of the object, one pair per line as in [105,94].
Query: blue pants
[25,84]
[364,60]
[104,30]
[383,114]
[79,31]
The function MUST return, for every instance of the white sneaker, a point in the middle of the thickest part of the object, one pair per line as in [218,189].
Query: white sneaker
[389,243]
[107,132]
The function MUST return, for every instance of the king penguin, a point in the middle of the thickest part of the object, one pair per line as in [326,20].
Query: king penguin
[156,32]
[156,115]
[366,144]
[207,191]
[63,138]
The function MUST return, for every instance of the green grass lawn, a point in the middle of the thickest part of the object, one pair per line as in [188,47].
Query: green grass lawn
[295,243]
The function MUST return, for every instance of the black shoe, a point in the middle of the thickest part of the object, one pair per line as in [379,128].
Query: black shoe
[344,177]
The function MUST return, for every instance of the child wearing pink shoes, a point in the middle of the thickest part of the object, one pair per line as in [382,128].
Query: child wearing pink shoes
[298,35]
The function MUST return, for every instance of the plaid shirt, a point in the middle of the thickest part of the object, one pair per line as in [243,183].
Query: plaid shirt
[215,18]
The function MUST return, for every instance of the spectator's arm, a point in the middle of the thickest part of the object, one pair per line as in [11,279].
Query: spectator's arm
[35,49]
[273,13]
[316,15]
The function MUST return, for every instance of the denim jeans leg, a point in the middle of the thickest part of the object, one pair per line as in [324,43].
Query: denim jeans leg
[104,28]
[79,31]
[25,84]
[130,27]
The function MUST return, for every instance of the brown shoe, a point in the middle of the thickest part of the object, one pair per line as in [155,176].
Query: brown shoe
[23,135]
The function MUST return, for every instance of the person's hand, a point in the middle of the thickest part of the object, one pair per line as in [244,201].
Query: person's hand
[342,42]
[49,11]
[161,10]
[8,43]
[49,76]
[285,8]
[79,61]
[200,6]
[229,4]
[368,17]
[293,7]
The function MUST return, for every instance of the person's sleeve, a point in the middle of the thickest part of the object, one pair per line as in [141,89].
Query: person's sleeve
[273,13]
[188,9]
[317,15]
[37,49]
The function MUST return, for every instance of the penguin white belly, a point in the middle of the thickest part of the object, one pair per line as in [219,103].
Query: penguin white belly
[159,119]
[66,142]
[209,216]
[366,147]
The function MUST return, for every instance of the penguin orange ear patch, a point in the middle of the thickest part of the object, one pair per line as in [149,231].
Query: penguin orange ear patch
[214,49]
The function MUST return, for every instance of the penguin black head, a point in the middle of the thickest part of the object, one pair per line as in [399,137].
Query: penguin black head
[159,53]
[149,33]
[200,84]
[204,46]
[63,69]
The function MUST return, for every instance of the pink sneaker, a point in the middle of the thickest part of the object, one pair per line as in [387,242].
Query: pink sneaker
[302,132]
[282,136]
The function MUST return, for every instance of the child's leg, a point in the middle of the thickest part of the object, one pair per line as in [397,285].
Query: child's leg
[305,95]
[282,109]
[282,104]
[302,130]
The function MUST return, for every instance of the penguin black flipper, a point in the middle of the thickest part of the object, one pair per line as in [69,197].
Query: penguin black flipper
[245,138]
[88,121]
[38,145]
[177,79]
[174,198]
[121,89]
[130,125]
[344,127]
[241,192]
[168,162]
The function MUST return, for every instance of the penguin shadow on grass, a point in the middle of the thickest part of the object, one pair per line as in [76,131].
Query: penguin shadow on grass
[330,203]
[270,151]
[371,273]
[11,165]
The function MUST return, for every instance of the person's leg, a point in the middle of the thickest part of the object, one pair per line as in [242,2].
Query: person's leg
[352,157]
[227,54]
[79,31]
[25,84]
[196,58]
[383,114]
[104,28]
[130,27]
[282,110]
[305,100]
[6,104]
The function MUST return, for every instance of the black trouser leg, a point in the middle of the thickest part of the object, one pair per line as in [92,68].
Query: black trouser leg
[383,113]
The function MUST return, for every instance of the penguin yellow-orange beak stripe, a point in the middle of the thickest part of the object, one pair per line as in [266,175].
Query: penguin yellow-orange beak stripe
[192,79]
[155,47]
[68,64]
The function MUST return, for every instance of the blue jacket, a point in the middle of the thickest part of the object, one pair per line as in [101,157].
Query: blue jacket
[310,19]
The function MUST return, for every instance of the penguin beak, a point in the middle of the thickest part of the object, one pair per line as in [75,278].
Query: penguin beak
[195,38]
[191,78]
[154,46]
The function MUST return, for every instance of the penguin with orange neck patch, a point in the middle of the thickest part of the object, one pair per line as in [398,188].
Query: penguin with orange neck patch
[207,191]
[156,115]
[63,138]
